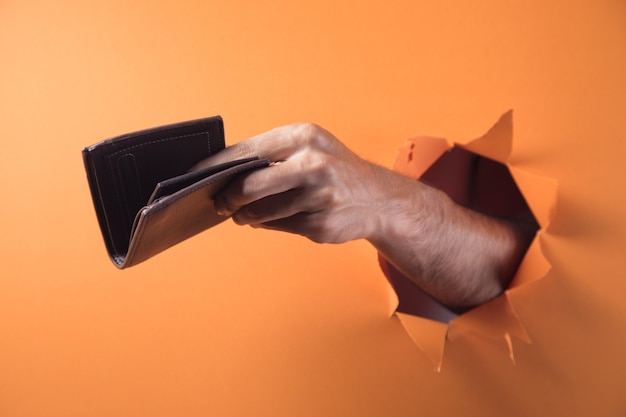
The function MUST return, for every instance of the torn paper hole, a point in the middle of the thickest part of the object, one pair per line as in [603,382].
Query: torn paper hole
[477,175]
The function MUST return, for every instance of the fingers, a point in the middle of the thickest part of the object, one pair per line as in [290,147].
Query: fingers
[242,150]
[314,186]
[302,168]
[273,207]
[253,186]
[276,145]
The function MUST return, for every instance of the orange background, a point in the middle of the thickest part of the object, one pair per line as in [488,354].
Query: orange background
[241,322]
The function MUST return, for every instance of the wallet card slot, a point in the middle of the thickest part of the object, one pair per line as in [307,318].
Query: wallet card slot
[132,195]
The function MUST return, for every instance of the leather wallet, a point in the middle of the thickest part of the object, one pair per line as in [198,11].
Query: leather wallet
[145,197]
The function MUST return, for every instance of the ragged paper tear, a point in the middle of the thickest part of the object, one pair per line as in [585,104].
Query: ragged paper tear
[477,175]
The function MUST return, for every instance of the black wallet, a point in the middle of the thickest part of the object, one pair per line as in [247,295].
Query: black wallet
[146,199]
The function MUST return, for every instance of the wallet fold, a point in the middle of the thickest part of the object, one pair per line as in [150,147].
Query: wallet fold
[145,198]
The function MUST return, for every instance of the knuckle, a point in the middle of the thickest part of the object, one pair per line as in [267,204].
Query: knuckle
[324,198]
[319,167]
[306,130]
[311,135]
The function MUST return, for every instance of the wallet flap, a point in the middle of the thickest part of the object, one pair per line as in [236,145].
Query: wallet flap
[181,215]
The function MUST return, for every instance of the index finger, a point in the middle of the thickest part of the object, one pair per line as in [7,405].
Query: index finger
[274,145]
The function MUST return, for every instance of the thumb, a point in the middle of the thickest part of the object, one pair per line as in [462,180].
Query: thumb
[275,145]
[241,150]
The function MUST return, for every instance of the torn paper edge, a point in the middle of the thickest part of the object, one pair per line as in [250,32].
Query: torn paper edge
[498,317]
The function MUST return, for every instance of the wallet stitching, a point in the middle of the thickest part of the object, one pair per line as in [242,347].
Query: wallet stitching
[137,175]
[139,145]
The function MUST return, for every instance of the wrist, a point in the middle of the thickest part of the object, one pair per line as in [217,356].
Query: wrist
[404,209]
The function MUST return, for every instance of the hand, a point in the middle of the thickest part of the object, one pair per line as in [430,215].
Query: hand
[318,188]
[315,186]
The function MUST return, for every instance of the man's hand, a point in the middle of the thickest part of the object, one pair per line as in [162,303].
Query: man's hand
[318,188]
[315,186]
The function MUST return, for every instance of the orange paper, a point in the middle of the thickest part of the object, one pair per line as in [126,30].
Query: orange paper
[239,322]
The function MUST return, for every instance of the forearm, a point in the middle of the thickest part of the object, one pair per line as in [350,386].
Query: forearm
[460,257]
